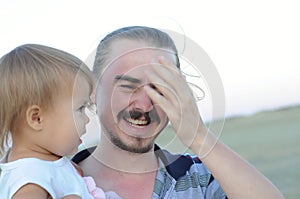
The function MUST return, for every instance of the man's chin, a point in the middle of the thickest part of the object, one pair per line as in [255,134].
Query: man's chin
[138,145]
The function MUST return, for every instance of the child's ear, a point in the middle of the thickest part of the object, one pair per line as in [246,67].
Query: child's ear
[34,117]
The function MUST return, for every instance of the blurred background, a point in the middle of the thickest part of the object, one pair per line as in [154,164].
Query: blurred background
[254,46]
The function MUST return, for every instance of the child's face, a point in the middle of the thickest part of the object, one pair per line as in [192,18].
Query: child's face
[67,119]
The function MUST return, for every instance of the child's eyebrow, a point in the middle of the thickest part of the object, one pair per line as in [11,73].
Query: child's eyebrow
[127,78]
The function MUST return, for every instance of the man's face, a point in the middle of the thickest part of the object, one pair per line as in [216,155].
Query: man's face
[127,114]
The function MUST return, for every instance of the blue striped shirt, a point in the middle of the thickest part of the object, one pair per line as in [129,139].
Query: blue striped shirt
[183,177]
[180,177]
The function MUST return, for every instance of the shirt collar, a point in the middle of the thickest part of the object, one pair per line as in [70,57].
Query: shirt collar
[176,165]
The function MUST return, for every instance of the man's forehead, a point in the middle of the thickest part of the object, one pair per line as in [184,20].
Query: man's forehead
[137,61]
[138,51]
[132,58]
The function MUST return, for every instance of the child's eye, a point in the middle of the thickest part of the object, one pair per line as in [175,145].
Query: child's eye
[81,109]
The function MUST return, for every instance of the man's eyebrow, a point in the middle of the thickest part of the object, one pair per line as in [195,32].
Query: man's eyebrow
[127,78]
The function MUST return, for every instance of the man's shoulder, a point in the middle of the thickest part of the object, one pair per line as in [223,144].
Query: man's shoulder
[178,165]
[189,172]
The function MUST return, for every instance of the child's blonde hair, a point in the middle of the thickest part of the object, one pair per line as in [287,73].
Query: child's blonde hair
[33,74]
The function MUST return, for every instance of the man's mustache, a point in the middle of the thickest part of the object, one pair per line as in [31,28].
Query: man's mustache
[135,114]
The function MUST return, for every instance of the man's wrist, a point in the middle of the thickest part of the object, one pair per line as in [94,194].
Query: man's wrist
[203,143]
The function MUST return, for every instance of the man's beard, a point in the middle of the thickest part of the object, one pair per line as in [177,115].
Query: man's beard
[139,144]
[137,147]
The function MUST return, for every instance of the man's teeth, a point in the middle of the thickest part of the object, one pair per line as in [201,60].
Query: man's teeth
[137,122]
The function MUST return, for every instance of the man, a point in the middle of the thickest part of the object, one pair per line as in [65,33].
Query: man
[139,89]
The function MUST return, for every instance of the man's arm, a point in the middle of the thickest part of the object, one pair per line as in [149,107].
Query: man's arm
[237,178]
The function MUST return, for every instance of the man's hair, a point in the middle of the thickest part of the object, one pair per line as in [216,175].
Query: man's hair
[151,36]
[33,74]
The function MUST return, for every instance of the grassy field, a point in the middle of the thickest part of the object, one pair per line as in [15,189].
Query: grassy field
[268,140]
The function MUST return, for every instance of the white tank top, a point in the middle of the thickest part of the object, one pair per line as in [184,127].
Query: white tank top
[59,178]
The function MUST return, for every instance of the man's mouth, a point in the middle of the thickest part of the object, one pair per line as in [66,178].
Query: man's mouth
[137,122]
[138,118]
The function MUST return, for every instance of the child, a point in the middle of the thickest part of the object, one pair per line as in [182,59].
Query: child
[43,96]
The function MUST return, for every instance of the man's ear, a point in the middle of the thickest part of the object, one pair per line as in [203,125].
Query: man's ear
[34,117]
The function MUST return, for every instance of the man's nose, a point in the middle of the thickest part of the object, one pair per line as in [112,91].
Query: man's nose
[142,101]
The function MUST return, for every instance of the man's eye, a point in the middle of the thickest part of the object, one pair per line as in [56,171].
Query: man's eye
[131,87]
[155,88]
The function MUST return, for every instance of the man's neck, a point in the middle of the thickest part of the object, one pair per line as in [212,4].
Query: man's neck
[124,161]
[122,171]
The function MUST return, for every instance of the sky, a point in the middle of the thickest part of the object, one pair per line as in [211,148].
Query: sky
[254,45]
